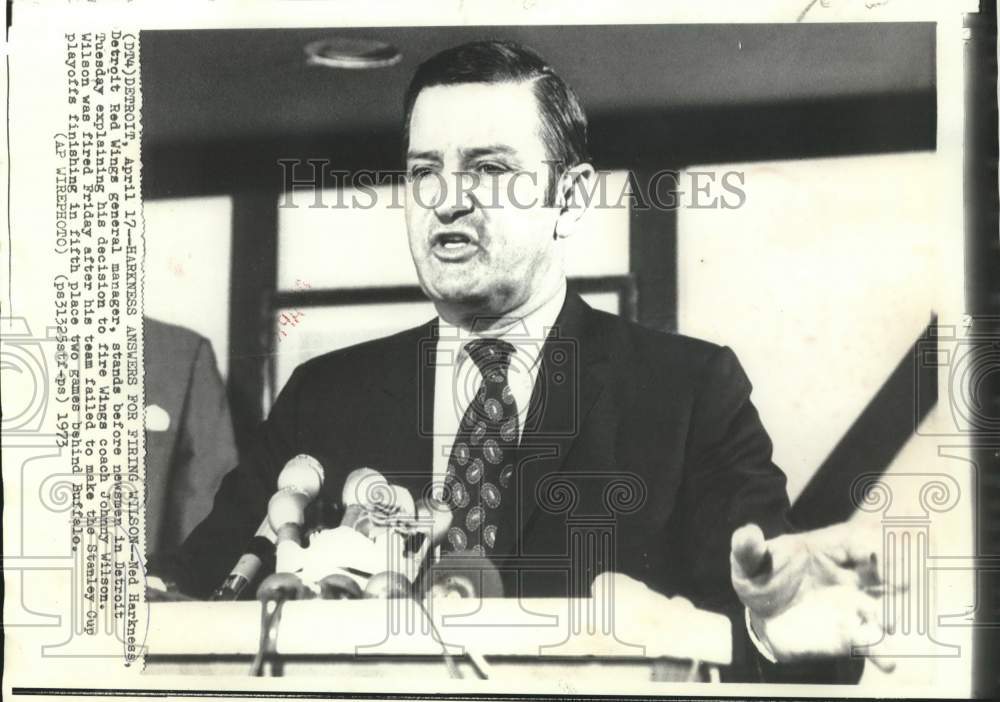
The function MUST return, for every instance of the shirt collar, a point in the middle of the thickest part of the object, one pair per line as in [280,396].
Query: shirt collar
[527,334]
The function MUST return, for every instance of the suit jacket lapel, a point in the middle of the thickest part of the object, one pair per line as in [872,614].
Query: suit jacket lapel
[570,379]
[409,414]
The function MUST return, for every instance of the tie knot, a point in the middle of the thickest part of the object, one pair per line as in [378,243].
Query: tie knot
[490,355]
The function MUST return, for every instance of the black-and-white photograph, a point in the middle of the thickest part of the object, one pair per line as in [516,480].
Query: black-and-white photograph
[580,358]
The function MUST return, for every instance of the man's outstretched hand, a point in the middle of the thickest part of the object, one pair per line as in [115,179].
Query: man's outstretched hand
[813,594]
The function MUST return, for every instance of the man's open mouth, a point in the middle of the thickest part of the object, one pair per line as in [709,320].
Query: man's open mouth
[451,239]
[453,245]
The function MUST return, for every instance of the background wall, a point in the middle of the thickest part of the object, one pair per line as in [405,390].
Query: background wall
[822,283]
[187,271]
[825,284]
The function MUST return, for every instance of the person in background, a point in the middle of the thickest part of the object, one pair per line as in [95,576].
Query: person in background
[189,433]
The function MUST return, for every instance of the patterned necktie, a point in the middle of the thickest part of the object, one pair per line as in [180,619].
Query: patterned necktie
[482,458]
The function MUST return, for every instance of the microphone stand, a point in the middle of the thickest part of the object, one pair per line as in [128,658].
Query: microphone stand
[270,620]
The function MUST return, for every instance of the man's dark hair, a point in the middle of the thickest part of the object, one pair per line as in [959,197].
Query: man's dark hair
[563,122]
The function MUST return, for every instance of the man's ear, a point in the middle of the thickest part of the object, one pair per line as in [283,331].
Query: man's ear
[573,197]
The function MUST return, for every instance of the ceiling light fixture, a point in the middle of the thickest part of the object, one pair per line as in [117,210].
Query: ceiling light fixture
[344,52]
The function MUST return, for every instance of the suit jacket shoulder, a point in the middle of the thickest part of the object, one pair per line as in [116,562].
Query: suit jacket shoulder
[353,363]
[681,354]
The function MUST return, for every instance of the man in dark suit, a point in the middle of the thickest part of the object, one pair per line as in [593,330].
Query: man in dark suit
[541,423]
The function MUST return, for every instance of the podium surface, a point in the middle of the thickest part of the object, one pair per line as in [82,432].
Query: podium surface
[495,638]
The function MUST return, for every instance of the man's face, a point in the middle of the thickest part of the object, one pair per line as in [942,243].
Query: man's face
[480,234]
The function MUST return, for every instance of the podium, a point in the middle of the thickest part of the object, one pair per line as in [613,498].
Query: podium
[525,640]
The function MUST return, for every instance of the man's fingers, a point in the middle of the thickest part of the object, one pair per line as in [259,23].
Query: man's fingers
[856,552]
[883,664]
[855,545]
[749,551]
[870,630]
[866,635]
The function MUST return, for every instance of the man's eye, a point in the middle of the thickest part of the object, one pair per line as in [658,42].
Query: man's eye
[418,172]
[492,168]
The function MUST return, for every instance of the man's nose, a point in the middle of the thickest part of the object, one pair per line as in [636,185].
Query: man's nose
[458,198]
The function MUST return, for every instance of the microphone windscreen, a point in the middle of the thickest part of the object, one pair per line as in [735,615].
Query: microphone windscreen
[337,586]
[283,586]
[265,531]
[352,515]
[386,585]
[287,507]
[402,502]
[361,485]
[302,473]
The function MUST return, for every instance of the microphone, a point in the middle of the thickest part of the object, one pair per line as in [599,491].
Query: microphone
[389,584]
[362,486]
[341,551]
[433,521]
[393,516]
[434,518]
[279,587]
[338,586]
[302,473]
[363,489]
[260,548]
[349,551]
[402,508]
[298,484]
[372,541]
